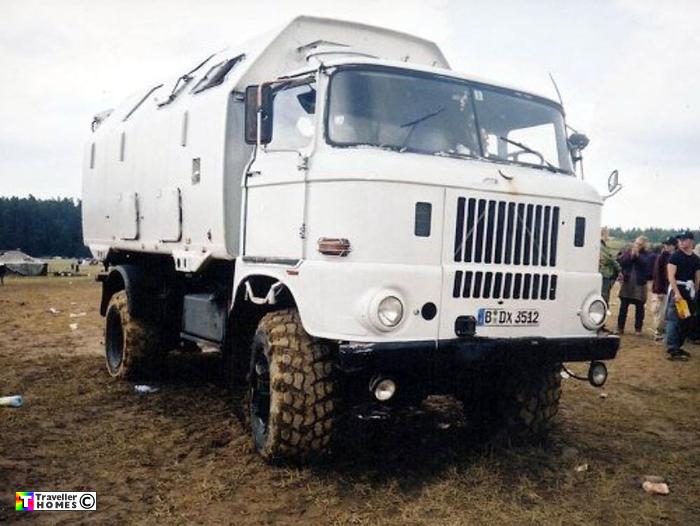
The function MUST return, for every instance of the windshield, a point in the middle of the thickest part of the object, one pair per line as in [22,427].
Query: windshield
[410,112]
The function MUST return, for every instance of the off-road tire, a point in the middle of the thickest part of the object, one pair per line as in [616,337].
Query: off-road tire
[302,405]
[518,405]
[531,401]
[138,344]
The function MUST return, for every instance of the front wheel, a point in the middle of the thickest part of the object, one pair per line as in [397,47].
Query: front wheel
[518,403]
[291,396]
[532,401]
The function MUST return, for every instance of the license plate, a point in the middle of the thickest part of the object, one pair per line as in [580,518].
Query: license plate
[508,317]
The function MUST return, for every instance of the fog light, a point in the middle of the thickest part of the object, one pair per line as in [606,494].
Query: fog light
[384,389]
[597,374]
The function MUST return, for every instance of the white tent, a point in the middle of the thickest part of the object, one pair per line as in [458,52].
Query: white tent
[20,263]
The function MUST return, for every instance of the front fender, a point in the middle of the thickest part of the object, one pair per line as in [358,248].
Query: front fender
[334,298]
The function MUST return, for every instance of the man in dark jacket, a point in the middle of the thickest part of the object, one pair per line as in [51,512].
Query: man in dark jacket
[659,287]
[633,291]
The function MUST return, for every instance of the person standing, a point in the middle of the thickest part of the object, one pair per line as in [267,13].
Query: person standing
[694,333]
[684,282]
[659,288]
[608,266]
[3,271]
[633,290]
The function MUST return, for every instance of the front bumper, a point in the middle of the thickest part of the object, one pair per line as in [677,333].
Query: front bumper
[468,353]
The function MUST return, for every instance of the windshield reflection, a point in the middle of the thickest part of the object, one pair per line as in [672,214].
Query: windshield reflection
[408,112]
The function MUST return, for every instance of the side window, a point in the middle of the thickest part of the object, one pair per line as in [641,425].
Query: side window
[293,117]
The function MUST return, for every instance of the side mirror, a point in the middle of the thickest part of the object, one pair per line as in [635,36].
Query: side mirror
[614,185]
[578,141]
[261,109]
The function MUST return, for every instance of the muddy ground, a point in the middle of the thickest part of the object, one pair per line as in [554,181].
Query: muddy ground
[180,456]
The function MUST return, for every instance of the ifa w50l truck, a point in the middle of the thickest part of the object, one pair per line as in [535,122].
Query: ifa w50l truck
[355,226]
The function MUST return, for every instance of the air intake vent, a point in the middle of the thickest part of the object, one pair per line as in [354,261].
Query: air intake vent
[504,232]
[505,285]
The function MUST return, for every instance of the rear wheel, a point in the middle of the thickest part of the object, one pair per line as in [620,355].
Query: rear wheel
[291,397]
[132,347]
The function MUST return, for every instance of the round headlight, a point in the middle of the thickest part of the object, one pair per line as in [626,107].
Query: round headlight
[390,311]
[593,313]
[597,312]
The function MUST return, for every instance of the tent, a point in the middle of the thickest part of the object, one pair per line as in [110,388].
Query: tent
[20,263]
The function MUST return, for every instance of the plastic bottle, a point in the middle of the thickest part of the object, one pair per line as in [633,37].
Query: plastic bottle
[11,401]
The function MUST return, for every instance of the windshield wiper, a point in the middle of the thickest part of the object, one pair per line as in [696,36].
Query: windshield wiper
[413,124]
[455,155]
[530,150]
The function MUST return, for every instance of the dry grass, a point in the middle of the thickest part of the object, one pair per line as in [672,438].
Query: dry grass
[179,456]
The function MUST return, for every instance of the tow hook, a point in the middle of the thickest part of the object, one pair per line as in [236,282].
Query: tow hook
[597,374]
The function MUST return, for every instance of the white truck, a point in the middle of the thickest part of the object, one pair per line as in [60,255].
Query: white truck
[355,226]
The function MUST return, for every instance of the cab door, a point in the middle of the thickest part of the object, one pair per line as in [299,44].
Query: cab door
[276,181]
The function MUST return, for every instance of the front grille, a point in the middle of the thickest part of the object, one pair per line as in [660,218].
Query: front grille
[505,232]
[504,285]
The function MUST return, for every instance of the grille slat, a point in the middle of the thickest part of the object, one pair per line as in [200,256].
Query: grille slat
[456,290]
[459,229]
[545,234]
[490,222]
[467,284]
[506,232]
[528,236]
[487,285]
[500,228]
[506,285]
[536,244]
[470,230]
[480,220]
[553,237]
[476,293]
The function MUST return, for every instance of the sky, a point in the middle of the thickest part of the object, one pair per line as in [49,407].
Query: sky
[628,72]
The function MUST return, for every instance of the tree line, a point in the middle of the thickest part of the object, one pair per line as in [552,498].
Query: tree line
[42,227]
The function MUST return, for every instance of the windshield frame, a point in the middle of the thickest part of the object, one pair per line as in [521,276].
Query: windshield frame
[471,84]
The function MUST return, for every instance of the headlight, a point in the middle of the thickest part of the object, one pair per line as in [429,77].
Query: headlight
[597,312]
[593,313]
[390,311]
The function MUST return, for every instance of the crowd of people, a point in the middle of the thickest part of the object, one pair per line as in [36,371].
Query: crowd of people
[668,276]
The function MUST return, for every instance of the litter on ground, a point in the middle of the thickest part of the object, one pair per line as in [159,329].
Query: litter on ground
[145,389]
[11,401]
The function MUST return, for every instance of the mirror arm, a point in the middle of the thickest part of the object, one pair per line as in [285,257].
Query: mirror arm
[616,190]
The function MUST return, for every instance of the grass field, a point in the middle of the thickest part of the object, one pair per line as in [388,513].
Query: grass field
[179,456]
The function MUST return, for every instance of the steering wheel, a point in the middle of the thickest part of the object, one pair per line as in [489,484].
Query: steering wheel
[515,156]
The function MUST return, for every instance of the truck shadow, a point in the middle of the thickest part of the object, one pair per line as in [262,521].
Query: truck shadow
[408,449]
